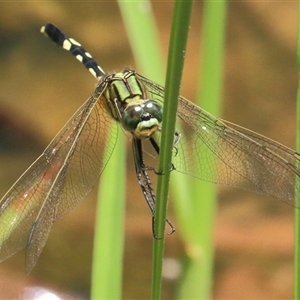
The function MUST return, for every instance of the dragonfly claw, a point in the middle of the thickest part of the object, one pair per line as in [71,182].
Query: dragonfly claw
[169,233]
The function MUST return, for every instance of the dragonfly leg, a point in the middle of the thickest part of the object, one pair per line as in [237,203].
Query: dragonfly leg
[141,172]
[156,148]
[177,135]
[169,233]
[144,181]
[176,141]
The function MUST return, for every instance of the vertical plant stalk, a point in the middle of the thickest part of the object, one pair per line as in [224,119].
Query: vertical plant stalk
[143,37]
[195,205]
[297,211]
[107,266]
[177,46]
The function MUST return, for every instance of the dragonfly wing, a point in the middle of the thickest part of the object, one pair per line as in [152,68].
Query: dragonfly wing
[58,180]
[288,154]
[221,152]
[224,153]
[19,208]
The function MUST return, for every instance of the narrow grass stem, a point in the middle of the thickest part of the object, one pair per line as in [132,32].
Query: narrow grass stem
[297,211]
[177,46]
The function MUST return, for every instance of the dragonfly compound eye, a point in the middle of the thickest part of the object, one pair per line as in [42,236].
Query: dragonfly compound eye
[142,119]
[154,109]
[131,117]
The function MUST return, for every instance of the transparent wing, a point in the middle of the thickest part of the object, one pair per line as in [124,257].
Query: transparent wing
[58,180]
[221,152]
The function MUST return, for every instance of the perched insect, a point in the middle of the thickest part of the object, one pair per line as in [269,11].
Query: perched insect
[205,147]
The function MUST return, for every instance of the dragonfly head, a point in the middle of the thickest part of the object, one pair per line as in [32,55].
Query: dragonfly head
[142,118]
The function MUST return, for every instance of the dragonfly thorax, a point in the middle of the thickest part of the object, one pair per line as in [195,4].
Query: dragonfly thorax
[128,103]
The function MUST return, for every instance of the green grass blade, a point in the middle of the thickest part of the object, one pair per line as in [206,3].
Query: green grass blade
[196,215]
[143,37]
[107,262]
[109,235]
[177,46]
[297,211]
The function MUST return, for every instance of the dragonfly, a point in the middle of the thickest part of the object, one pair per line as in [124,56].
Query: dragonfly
[205,147]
